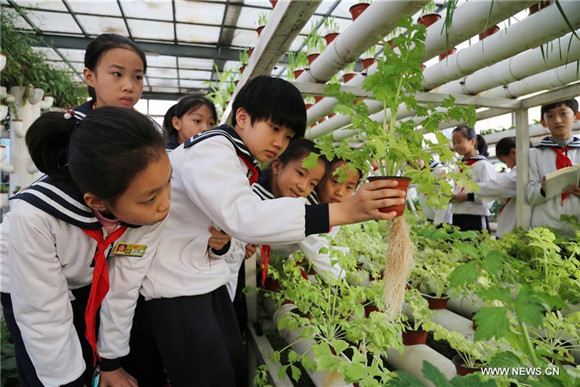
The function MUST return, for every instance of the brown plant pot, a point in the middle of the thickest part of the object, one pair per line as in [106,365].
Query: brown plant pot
[436,303]
[347,77]
[367,62]
[428,19]
[236,82]
[273,2]
[446,54]
[321,120]
[414,337]
[259,30]
[488,32]
[331,115]
[537,7]
[297,73]
[242,69]
[250,51]
[461,368]
[312,57]
[369,309]
[330,37]
[402,184]
[357,9]
[319,98]
[272,285]
[309,105]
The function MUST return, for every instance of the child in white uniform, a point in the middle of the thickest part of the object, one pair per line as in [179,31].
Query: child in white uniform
[471,214]
[188,304]
[556,151]
[106,176]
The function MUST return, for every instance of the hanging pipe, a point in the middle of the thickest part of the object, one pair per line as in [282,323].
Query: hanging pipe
[555,53]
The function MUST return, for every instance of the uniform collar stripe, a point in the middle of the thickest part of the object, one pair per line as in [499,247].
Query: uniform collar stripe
[62,196]
[227,132]
[548,142]
[262,191]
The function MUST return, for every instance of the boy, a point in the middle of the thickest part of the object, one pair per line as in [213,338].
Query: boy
[552,153]
[187,303]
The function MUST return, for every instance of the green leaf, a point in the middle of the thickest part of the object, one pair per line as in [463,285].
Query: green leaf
[493,262]
[405,380]
[472,380]
[491,322]
[506,359]
[463,274]
[311,161]
[433,374]
[495,293]
[295,372]
[528,309]
[282,372]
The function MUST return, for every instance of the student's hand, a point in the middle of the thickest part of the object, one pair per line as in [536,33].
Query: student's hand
[573,189]
[218,239]
[365,204]
[460,197]
[250,250]
[117,378]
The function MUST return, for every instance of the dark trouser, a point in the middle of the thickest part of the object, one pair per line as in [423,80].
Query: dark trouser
[470,222]
[143,362]
[26,371]
[199,339]
[240,306]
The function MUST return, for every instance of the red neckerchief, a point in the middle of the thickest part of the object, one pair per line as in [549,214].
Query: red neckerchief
[264,259]
[100,284]
[503,205]
[562,161]
[254,171]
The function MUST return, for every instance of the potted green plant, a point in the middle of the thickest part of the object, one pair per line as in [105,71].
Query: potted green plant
[314,44]
[428,17]
[472,355]
[357,9]
[368,57]
[416,326]
[297,62]
[262,21]
[330,29]
[432,271]
[394,143]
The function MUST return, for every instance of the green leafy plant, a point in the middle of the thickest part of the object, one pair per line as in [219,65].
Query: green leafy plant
[314,43]
[296,60]
[262,19]
[330,25]
[419,309]
[474,354]
[243,57]
[220,90]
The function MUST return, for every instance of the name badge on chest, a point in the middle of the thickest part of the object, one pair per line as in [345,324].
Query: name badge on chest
[129,249]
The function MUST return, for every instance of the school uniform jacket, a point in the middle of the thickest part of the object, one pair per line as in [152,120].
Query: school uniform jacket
[503,187]
[481,171]
[51,255]
[210,187]
[312,244]
[546,212]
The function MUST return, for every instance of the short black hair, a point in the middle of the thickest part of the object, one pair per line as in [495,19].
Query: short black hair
[300,148]
[504,146]
[572,103]
[269,98]
[105,42]
[185,105]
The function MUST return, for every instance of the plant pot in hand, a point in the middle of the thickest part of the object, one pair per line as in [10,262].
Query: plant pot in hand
[436,303]
[357,9]
[330,37]
[462,369]
[402,184]
[488,32]
[414,337]
[428,19]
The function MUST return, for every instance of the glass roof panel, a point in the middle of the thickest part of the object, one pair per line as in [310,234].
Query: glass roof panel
[192,74]
[163,82]
[48,53]
[53,22]
[193,84]
[157,72]
[148,9]
[249,17]
[95,25]
[96,7]
[42,4]
[244,38]
[159,89]
[142,29]
[161,61]
[196,12]
[194,63]
[197,34]
[73,55]
[259,3]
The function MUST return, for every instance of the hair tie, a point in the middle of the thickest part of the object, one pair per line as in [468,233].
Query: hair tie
[69,114]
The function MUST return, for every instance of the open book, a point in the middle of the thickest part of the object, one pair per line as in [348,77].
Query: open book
[560,179]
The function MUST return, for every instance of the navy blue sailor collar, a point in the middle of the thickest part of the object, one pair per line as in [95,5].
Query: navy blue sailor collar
[62,200]
[547,142]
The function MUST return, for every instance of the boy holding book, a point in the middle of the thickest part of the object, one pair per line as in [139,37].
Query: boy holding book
[557,151]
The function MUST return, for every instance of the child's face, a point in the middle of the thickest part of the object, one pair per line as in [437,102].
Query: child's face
[292,180]
[509,160]
[193,122]
[117,79]
[146,200]
[462,145]
[331,190]
[265,140]
[559,120]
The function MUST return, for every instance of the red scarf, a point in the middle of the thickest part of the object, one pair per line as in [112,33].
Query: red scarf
[254,172]
[100,284]
[562,161]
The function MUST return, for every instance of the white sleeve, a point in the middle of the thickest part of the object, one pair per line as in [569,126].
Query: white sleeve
[126,275]
[322,262]
[226,197]
[486,172]
[503,186]
[534,188]
[41,302]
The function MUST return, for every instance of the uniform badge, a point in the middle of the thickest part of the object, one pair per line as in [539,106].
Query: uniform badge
[129,249]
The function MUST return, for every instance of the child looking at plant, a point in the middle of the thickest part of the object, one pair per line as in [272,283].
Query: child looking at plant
[90,205]
[193,114]
[554,152]
[471,214]
[188,304]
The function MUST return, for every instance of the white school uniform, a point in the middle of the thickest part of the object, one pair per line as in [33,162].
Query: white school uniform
[50,255]
[210,186]
[481,171]
[503,188]
[311,245]
[546,212]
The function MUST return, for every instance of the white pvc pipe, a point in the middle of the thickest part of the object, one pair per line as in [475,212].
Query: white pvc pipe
[411,361]
[454,322]
[534,30]
[556,53]
[322,108]
[465,306]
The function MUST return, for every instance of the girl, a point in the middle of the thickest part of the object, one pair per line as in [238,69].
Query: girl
[105,176]
[471,214]
[114,71]
[191,115]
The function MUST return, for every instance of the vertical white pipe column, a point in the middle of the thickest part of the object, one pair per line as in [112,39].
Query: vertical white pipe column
[523,208]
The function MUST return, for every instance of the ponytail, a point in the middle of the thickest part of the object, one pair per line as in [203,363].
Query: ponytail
[48,140]
[481,146]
